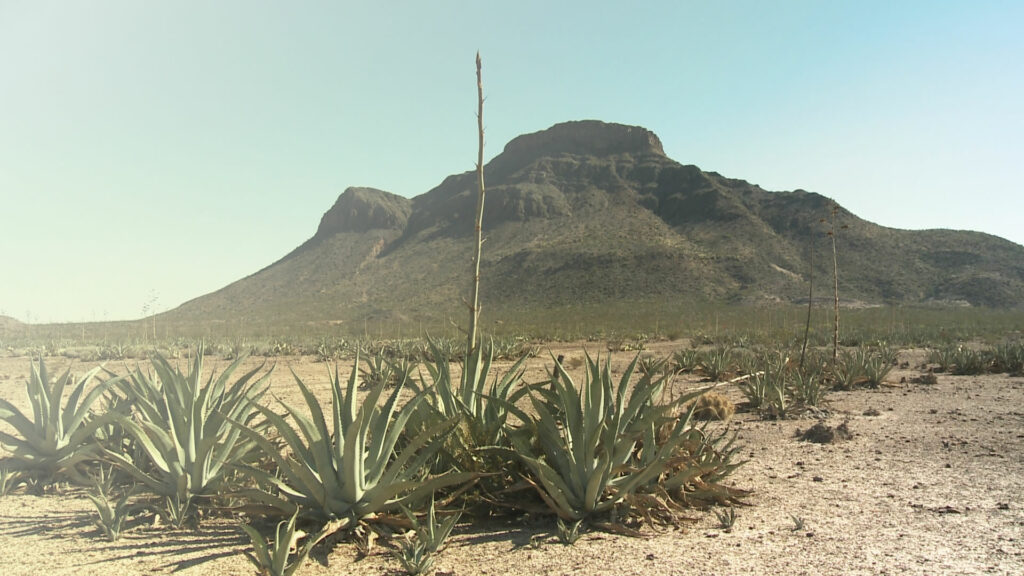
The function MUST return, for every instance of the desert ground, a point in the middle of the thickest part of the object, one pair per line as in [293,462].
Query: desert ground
[929,482]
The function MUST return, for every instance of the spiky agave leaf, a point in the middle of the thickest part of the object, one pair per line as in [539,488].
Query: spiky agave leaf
[58,437]
[271,557]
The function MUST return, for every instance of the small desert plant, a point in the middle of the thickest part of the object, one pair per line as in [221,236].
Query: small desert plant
[877,363]
[432,532]
[942,357]
[717,363]
[651,365]
[686,360]
[798,523]
[9,480]
[111,518]
[779,400]
[413,556]
[755,388]
[378,371]
[482,408]
[713,406]
[1008,357]
[759,385]
[807,387]
[282,555]
[967,361]
[849,371]
[416,554]
[59,438]
[726,518]
[568,532]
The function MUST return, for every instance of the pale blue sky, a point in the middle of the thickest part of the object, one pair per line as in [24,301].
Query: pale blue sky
[165,149]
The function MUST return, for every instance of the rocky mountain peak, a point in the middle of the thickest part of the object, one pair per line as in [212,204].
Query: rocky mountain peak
[581,137]
[365,209]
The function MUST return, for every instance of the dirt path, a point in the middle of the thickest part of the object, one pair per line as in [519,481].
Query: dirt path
[932,484]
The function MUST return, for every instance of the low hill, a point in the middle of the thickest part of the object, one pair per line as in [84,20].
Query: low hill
[590,212]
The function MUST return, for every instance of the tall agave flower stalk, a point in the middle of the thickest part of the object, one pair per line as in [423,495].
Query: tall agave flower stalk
[474,303]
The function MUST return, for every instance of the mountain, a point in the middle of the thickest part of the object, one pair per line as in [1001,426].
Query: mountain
[8,322]
[590,212]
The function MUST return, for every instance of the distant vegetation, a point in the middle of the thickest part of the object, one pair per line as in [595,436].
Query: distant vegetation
[640,321]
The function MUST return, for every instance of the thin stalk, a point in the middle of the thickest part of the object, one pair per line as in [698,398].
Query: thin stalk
[474,304]
[810,300]
[835,276]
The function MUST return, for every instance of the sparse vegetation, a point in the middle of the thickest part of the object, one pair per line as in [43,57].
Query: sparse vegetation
[726,518]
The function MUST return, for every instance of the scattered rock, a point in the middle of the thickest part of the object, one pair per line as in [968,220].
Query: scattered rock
[822,433]
[872,412]
[928,378]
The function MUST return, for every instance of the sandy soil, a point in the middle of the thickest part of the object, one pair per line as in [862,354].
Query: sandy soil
[932,484]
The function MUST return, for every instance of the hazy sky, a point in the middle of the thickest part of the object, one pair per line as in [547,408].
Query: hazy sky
[151,152]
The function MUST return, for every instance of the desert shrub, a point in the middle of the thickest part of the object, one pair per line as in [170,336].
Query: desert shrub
[686,360]
[1008,357]
[808,386]
[967,361]
[943,358]
[877,363]
[713,406]
[849,371]
[717,363]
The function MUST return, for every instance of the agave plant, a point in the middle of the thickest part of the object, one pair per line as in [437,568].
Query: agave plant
[282,555]
[483,409]
[57,440]
[432,533]
[111,518]
[183,428]
[717,363]
[595,446]
[357,471]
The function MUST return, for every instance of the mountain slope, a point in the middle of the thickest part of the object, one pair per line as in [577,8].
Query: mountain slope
[589,212]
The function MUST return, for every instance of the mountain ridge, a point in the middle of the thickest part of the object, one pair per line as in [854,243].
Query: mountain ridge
[588,211]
